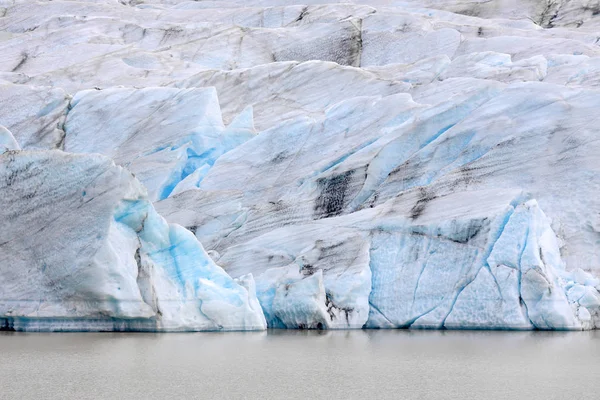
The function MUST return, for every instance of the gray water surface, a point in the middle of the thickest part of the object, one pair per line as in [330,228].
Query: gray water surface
[301,365]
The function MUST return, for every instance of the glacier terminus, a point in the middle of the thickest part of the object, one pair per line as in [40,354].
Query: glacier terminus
[174,165]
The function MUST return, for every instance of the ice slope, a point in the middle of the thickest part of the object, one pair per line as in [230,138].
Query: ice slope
[372,163]
[163,135]
[82,248]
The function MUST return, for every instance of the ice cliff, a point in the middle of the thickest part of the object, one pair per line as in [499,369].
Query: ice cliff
[220,165]
[84,249]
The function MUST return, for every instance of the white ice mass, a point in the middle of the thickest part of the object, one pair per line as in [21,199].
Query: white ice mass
[172,165]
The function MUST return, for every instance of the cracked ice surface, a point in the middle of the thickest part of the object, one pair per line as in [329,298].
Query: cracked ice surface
[365,163]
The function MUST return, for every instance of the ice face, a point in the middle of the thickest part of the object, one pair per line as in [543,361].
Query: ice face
[91,253]
[372,163]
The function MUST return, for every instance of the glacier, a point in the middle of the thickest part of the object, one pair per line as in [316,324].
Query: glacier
[173,165]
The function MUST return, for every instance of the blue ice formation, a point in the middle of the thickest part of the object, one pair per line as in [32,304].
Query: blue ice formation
[91,253]
[169,138]
[496,272]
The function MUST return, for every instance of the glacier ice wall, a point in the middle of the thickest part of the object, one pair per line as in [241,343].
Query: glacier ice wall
[365,163]
[82,248]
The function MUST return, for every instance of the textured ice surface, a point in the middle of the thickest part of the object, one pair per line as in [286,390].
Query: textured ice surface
[83,249]
[371,163]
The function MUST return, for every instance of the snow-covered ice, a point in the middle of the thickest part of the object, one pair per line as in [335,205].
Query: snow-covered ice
[365,163]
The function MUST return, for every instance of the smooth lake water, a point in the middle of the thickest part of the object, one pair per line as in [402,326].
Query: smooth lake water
[301,365]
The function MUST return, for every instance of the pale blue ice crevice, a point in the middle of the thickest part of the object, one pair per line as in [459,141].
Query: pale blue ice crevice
[202,152]
[445,155]
[425,263]
[436,314]
[377,319]
[343,158]
[468,280]
[520,277]
[355,107]
[265,297]
[410,322]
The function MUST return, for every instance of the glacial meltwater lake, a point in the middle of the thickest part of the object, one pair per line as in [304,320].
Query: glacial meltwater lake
[394,364]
